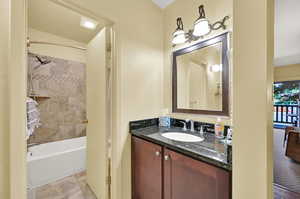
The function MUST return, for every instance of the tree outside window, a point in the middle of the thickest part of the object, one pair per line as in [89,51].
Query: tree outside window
[286,93]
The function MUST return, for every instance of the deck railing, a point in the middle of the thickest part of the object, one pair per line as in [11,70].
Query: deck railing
[287,114]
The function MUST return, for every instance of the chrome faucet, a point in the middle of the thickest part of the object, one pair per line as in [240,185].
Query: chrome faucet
[184,125]
[192,125]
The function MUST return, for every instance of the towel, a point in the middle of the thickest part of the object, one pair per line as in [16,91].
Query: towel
[33,116]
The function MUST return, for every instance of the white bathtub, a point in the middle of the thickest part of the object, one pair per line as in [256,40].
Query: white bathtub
[52,161]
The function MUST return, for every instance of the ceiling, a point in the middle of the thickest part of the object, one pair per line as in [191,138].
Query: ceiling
[163,3]
[287,32]
[49,17]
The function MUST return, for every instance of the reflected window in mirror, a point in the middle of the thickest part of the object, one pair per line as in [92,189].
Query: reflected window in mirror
[201,78]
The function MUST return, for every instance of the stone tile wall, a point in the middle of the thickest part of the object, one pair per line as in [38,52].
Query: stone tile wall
[63,113]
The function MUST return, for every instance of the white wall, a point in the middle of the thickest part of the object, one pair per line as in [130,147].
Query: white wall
[17,71]
[4,130]
[253,45]
[287,73]
[188,10]
[287,32]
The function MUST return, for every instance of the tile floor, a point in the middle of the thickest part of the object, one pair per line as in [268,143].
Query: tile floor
[72,187]
[286,171]
[282,193]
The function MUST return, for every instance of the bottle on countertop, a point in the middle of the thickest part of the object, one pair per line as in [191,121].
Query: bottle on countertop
[219,129]
[229,134]
[165,120]
[228,139]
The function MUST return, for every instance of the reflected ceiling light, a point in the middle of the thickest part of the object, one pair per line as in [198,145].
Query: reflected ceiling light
[216,68]
[88,23]
[202,27]
[179,34]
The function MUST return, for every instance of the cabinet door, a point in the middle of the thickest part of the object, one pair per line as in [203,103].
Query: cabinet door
[146,170]
[186,178]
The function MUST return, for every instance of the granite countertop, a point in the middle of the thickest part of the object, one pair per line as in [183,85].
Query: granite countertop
[211,150]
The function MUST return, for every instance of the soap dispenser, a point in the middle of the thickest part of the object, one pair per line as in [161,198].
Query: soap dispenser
[219,129]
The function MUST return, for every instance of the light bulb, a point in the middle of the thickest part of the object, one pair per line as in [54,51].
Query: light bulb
[216,68]
[201,27]
[179,37]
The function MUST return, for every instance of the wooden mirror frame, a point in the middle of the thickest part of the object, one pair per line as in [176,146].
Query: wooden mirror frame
[223,38]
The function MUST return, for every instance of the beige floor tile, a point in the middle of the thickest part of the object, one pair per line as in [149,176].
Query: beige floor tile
[48,192]
[72,187]
[74,195]
[87,192]
[81,176]
[67,186]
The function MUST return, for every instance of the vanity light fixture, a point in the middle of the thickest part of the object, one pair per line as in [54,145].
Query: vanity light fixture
[202,27]
[179,34]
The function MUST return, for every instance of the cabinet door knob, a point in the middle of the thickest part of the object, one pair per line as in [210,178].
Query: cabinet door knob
[157,153]
[167,157]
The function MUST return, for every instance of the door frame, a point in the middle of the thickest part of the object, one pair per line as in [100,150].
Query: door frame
[17,94]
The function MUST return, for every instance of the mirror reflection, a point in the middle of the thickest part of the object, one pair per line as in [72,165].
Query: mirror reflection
[199,79]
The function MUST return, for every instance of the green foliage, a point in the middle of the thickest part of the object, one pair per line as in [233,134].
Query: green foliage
[286,93]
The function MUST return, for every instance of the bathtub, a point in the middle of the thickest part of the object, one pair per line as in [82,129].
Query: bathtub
[49,162]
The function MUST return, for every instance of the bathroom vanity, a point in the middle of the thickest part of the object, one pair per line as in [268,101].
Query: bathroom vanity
[163,168]
[179,162]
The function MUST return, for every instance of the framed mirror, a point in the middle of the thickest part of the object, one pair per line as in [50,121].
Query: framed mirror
[200,78]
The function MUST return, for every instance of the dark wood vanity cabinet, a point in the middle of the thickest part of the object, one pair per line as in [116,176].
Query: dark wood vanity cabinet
[186,178]
[159,173]
[146,169]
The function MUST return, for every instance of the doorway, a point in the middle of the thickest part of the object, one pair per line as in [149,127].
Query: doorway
[69,102]
[286,117]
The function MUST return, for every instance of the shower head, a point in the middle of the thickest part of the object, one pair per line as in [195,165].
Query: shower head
[43,62]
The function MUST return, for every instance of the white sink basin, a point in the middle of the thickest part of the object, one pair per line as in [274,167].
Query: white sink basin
[182,137]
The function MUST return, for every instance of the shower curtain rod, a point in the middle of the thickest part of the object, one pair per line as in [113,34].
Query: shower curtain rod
[54,44]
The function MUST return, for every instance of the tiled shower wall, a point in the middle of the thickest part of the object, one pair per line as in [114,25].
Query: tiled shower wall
[62,84]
